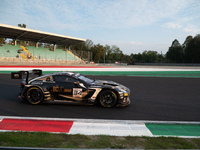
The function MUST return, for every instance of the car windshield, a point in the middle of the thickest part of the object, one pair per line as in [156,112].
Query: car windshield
[85,79]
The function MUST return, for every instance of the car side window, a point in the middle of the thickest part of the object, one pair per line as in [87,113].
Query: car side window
[48,78]
[64,78]
[71,79]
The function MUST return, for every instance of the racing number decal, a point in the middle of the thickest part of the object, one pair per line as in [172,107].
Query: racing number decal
[77,92]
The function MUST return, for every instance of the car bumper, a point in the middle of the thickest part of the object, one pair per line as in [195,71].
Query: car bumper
[19,97]
[124,102]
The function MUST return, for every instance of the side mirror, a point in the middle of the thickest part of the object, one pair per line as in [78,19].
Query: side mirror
[79,84]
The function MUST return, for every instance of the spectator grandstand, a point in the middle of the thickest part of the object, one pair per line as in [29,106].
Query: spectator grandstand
[19,50]
[40,54]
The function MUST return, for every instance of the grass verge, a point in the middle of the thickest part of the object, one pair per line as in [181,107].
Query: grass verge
[48,140]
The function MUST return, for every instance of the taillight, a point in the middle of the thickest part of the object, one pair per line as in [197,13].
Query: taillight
[22,84]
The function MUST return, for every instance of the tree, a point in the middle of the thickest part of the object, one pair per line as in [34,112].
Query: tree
[88,44]
[150,56]
[22,25]
[98,52]
[109,54]
[83,46]
[175,52]
[116,52]
[161,58]
[137,58]
[192,50]
[187,41]
[83,49]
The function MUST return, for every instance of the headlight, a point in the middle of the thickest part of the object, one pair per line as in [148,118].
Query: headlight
[125,94]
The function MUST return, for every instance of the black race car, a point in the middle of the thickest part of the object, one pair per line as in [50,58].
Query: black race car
[70,87]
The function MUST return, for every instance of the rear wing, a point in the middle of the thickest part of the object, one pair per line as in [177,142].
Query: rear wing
[19,74]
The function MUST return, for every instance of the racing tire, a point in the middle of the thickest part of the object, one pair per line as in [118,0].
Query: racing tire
[34,95]
[107,98]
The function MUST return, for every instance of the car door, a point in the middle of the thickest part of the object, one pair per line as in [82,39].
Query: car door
[67,87]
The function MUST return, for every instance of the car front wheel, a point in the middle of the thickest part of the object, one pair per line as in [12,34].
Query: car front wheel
[34,95]
[108,98]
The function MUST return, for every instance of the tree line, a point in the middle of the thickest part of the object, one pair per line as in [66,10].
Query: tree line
[188,52]
[100,53]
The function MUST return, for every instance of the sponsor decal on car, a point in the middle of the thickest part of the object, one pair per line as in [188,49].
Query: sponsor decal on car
[77,92]
[61,89]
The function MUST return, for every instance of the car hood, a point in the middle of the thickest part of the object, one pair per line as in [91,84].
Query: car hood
[105,82]
[111,83]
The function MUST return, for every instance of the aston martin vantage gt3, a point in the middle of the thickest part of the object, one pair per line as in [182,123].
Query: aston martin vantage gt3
[70,87]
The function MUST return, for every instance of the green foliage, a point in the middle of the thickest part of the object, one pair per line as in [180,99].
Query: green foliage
[22,25]
[48,140]
[114,54]
[100,53]
[192,50]
[188,52]
[147,57]
[29,139]
[175,54]
[150,56]
[168,143]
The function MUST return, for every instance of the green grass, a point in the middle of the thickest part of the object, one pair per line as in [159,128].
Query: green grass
[187,74]
[48,140]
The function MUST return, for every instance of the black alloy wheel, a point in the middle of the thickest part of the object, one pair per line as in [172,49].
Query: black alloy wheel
[108,98]
[34,95]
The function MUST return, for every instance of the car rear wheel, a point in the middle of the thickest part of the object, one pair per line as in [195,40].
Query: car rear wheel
[34,95]
[108,98]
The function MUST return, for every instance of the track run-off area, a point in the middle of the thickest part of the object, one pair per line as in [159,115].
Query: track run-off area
[165,101]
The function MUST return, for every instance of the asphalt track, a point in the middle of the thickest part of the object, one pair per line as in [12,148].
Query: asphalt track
[153,98]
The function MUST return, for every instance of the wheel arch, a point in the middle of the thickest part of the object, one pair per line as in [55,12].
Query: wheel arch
[30,86]
[105,89]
